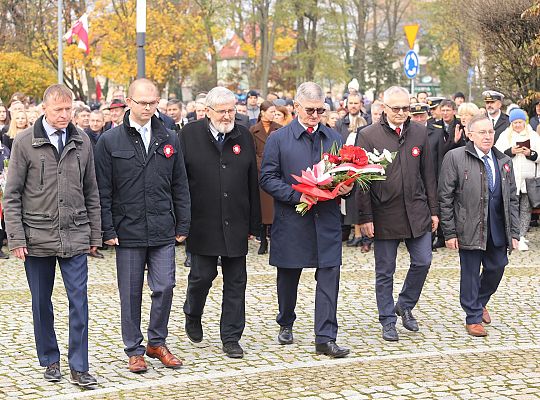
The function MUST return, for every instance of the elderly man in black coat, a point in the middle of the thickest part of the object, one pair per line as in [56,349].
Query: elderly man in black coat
[402,207]
[222,172]
[145,206]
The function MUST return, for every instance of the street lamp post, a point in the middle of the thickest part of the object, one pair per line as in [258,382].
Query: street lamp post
[60,45]
[141,38]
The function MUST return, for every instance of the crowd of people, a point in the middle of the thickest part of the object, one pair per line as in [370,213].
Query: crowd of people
[143,174]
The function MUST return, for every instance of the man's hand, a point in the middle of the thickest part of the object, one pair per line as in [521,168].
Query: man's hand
[93,249]
[345,189]
[434,223]
[452,244]
[180,238]
[20,252]
[367,229]
[112,242]
[305,198]
[515,244]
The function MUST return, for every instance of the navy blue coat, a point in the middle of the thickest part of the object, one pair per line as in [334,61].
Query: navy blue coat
[312,240]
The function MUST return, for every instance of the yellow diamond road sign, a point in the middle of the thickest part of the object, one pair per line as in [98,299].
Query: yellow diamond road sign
[411,31]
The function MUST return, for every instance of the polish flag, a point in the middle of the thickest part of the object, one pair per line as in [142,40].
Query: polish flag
[81,30]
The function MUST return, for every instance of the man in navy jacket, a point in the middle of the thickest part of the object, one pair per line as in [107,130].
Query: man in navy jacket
[145,207]
[312,240]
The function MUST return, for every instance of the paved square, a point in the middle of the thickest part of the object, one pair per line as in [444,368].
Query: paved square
[439,362]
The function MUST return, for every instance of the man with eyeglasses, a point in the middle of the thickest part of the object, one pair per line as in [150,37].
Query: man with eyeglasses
[145,206]
[479,217]
[401,208]
[223,181]
[312,240]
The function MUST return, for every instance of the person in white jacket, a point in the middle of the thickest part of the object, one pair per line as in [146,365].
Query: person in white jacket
[522,143]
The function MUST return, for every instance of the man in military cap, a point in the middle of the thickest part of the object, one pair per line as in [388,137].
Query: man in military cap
[434,103]
[420,113]
[500,121]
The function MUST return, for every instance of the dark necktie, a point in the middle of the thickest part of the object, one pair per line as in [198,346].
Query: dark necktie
[489,174]
[220,137]
[60,142]
[398,131]
[309,130]
[493,122]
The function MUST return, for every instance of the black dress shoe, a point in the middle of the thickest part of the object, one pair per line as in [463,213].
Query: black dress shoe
[285,335]
[331,349]
[389,333]
[194,329]
[233,350]
[52,373]
[83,379]
[187,262]
[409,322]
[354,242]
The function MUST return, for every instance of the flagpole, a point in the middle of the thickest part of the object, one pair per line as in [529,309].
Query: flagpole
[60,45]
[141,38]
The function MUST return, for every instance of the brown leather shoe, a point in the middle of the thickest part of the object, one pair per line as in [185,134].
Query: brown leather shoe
[476,330]
[164,355]
[137,364]
[486,319]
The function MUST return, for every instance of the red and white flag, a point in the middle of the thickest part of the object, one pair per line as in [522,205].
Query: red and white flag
[80,28]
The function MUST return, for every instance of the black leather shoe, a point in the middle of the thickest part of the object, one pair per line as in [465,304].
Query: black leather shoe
[354,242]
[263,248]
[52,373]
[187,262]
[83,379]
[409,322]
[233,350]
[389,333]
[96,254]
[331,349]
[285,335]
[194,329]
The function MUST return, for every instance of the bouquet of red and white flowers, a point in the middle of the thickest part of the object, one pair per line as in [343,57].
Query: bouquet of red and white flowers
[339,167]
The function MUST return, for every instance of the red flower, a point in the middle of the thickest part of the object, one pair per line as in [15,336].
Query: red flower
[353,154]
[168,150]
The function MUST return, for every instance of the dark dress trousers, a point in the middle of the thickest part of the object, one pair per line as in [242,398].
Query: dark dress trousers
[400,208]
[309,241]
[224,189]
[145,204]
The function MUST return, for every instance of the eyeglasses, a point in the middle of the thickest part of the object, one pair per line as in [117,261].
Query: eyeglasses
[222,113]
[405,109]
[310,111]
[484,133]
[145,104]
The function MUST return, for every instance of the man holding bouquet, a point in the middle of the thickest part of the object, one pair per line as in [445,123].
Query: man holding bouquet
[402,207]
[312,240]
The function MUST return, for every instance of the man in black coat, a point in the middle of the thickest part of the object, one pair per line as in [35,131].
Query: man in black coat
[223,181]
[402,207]
[145,207]
[500,120]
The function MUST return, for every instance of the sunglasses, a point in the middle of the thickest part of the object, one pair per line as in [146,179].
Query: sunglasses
[397,109]
[310,111]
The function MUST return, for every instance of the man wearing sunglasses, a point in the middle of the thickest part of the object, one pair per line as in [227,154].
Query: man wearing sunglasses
[401,208]
[314,239]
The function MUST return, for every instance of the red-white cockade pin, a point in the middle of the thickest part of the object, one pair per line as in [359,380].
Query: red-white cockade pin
[168,150]
[236,149]
[507,167]
[415,151]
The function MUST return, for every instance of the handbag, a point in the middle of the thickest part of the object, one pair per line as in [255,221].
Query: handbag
[533,190]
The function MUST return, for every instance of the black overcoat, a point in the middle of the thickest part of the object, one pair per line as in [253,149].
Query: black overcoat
[224,188]
[401,206]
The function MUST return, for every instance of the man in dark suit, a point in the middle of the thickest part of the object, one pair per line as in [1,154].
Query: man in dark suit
[401,208]
[479,217]
[145,207]
[174,110]
[304,241]
[223,181]
[500,120]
